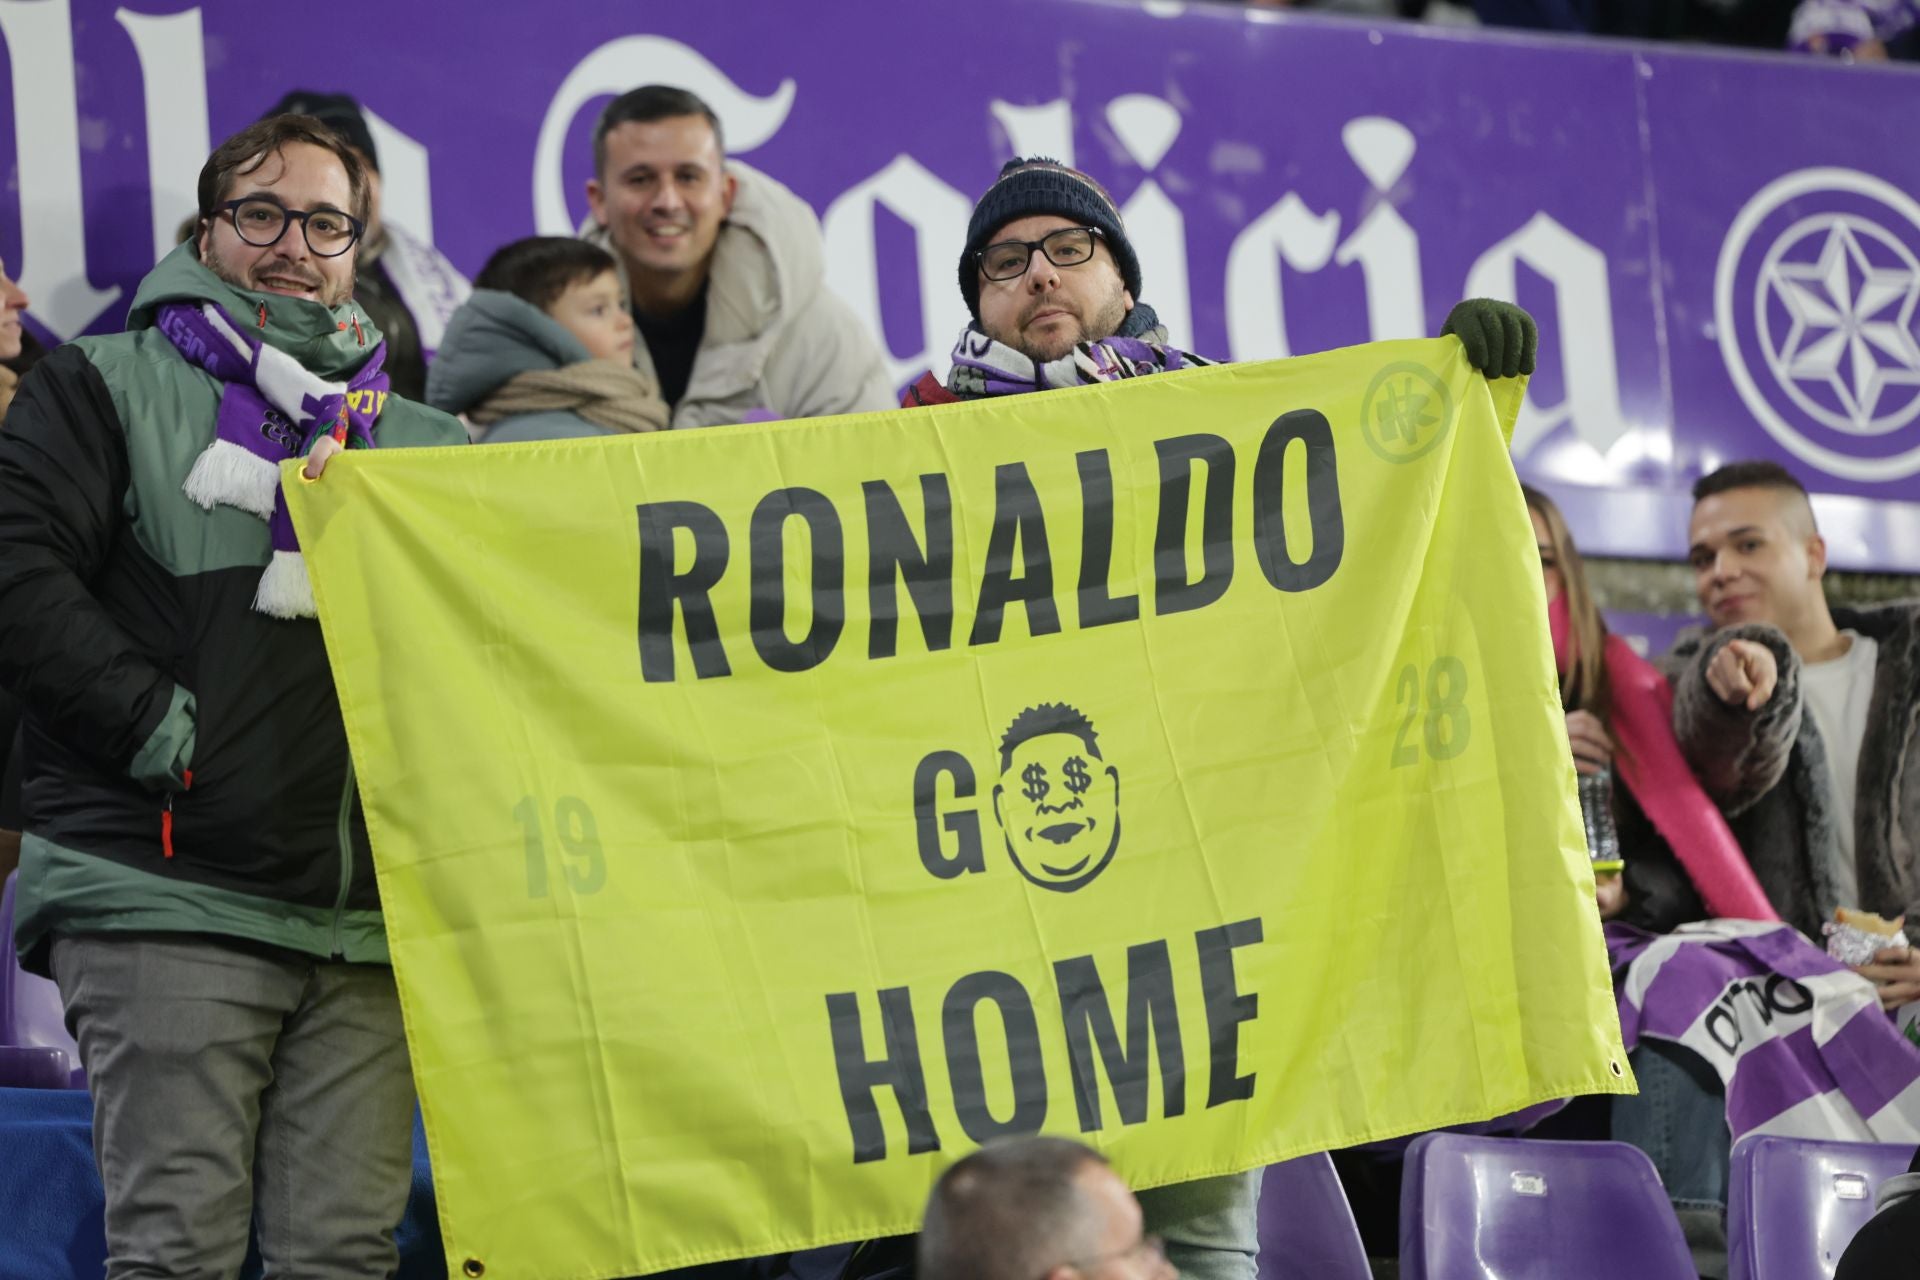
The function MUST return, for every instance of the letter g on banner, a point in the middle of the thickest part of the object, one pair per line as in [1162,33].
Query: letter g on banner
[628,63]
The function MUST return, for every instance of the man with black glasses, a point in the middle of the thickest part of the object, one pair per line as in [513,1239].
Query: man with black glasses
[1054,287]
[404,283]
[195,870]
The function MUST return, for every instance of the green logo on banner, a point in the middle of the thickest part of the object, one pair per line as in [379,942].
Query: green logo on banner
[1406,412]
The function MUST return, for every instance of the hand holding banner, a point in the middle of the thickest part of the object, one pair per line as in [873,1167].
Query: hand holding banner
[767,815]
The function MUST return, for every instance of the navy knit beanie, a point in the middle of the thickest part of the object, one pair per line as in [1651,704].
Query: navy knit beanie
[1027,187]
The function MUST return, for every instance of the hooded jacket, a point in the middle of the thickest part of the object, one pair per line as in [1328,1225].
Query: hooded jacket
[778,341]
[185,765]
[492,339]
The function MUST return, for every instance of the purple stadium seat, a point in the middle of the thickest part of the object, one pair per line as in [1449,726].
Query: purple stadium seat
[31,1017]
[1516,1209]
[1306,1227]
[1795,1203]
[23,1068]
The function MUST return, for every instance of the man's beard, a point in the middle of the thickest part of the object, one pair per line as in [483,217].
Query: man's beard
[1106,321]
[326,294]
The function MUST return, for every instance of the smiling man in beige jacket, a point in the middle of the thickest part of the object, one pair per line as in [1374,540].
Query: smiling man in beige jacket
[724,273]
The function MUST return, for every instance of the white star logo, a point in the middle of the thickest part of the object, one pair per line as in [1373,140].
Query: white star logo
[1852,319]
[1814,303]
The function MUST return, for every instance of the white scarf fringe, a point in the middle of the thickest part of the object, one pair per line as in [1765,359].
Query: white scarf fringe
[229,474]
[285,590]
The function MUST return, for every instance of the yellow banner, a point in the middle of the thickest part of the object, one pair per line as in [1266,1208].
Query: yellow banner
[768,815]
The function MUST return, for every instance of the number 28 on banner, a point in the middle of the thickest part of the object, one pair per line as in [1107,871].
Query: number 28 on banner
[1437,719]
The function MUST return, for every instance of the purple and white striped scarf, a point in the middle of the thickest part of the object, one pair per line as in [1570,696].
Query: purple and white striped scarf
[984,367]
[272,409]
[1799,1040]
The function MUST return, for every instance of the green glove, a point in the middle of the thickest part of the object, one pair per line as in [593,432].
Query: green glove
[1501,339]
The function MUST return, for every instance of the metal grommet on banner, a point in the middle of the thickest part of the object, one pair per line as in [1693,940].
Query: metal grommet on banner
[473,1267]
[1618,1072]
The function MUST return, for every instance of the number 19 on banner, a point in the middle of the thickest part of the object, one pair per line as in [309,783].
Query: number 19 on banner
[578,836]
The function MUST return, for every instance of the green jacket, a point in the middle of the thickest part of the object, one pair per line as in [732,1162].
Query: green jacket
[128,633]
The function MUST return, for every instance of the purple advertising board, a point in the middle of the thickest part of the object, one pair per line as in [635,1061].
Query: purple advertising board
[1723,250]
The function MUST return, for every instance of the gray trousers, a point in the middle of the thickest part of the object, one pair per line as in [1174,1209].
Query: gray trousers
[233,1086]
[1212,1227]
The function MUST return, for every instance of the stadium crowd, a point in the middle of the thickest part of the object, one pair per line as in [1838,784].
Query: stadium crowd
[236,1019]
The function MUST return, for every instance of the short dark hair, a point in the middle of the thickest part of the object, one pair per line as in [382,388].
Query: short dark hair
[648,103]
[1009,1211]
[248,149]
[1746,475]
[1048,717]
[539,269]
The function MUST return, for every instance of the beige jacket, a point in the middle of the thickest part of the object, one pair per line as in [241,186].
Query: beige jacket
[777,339]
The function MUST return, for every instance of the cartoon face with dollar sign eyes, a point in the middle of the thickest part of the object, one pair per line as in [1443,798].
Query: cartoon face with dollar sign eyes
[1057,801]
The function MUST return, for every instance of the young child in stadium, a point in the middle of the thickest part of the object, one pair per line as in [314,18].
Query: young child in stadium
[543,349]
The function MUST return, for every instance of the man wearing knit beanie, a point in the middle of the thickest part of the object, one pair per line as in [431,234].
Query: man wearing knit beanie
[1051,196]
[1053,284]
[1054,287]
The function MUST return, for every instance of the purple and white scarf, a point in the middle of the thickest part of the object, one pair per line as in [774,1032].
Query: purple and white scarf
[272,409]
[984,367]
[1799,1040]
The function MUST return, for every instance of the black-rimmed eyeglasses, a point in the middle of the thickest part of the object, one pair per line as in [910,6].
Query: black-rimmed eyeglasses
[1067,247]
[261,223]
